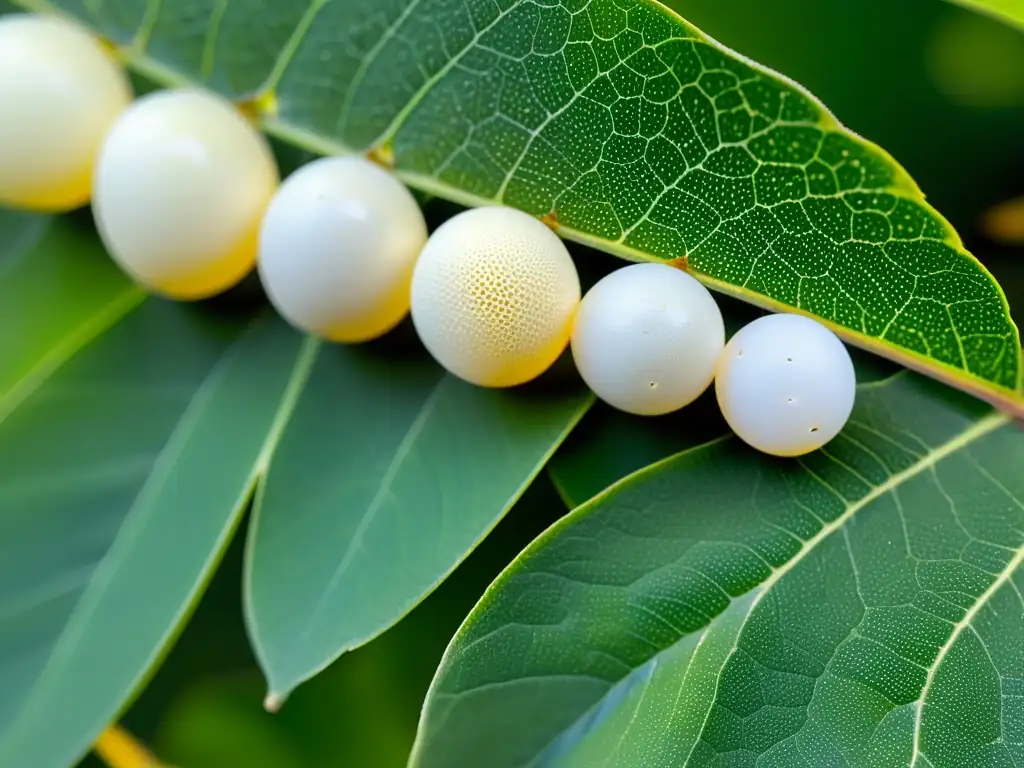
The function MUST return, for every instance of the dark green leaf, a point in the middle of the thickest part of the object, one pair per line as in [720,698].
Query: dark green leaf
[609,445]
[124,466]
[631,128]
[388,475]
[861,607]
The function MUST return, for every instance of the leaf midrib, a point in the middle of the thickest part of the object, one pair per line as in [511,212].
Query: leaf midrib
[402,452]
[998,583]
[978,430]
[134,521]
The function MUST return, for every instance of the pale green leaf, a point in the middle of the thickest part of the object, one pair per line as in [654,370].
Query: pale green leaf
[124,469]
[1010,11]
[623,125]
[58,291]
[861,606]
[389,473]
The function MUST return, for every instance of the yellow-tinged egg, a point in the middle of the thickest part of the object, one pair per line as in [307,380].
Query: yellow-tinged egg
[494,294]
[60,91]
[337,249]
[180,189]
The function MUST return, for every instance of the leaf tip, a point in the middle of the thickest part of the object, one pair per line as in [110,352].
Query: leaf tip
[273,701]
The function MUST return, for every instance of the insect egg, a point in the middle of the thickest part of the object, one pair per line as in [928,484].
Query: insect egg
[180,188]
[493,296]
[60,91]
[647,338]
[337,248]
[785,384]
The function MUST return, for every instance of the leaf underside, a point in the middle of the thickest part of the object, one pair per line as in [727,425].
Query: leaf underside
[112,513]
[622,123]
[64,295]
[388,474]
[862,606]
[131,434]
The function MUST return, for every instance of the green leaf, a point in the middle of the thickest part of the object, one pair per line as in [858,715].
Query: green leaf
[1010,11]
[58,291]
[633,130]
[861,606]
[125,463]
[610,444]
[389,473]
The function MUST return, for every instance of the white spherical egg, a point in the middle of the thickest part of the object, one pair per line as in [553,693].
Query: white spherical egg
[785,384]
[60,91]
[337,249]
[646,339]
[493,296]
[180,188]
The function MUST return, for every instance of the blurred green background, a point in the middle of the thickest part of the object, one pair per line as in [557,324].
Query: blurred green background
[940,88]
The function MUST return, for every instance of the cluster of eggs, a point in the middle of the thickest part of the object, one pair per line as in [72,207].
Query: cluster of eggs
[187,197]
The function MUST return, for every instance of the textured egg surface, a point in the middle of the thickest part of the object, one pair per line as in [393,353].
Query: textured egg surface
[493,296]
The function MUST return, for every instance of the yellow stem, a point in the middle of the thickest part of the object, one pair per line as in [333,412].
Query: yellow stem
[119,749]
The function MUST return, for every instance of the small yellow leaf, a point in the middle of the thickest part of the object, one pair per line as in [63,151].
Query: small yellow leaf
[1005,222]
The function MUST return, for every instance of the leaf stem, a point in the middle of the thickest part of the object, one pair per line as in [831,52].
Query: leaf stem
[119,749]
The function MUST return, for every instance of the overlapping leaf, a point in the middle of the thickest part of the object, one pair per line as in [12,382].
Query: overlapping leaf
[624,125]
[388,474]
[609,445]
[58,291]
[861,607]
[373,500]
[130,437]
